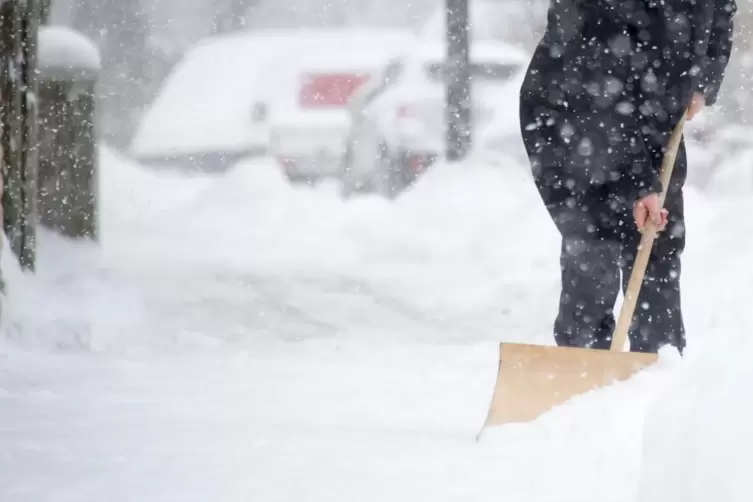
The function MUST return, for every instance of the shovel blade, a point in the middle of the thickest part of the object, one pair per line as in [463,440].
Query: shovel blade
[533,379]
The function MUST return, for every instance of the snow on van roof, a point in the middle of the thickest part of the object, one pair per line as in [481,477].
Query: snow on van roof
[205,103]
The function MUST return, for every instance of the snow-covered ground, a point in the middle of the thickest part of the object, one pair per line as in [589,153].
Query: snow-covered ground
[238,339]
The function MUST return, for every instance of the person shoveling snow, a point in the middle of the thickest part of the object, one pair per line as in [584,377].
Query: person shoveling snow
[602,107]
[597,107]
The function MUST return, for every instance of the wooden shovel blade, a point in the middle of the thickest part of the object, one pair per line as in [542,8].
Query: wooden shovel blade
[532,379]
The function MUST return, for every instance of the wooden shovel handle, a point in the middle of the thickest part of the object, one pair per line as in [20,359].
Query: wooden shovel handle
[647,241]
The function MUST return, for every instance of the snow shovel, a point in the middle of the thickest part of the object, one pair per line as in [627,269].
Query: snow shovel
[532,379]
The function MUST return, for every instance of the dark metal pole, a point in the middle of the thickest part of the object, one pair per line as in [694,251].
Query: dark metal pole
[458,83]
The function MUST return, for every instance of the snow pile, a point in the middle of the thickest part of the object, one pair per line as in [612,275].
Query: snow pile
[697,439]
[461,257]
[135,194]
[88,300]
[588,446]
[461,254]
[246,257]
[258,341]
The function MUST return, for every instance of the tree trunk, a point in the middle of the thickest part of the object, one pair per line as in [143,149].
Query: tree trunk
[19,24]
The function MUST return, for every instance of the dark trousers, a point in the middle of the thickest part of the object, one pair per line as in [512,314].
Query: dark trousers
[599,244]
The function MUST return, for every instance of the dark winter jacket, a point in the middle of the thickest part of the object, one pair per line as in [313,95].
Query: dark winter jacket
[610,79]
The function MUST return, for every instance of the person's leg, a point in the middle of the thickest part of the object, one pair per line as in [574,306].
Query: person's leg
[589,266]
[590,271]
[590,285]
[658,316]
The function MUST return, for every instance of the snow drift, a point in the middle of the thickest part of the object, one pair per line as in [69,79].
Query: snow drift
[181,351]
[696,439]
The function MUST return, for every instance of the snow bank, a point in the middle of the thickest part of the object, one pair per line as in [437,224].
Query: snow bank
[461,257]
[461,254]
[246,300]
[132,192]
[89,303]
[458,258]
[696,441]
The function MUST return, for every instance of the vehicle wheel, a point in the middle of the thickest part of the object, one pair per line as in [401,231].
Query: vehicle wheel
[353,180]
[389,177]
[349,185]
[301,179]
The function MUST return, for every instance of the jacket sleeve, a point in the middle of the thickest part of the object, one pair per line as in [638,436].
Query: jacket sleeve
[714,64]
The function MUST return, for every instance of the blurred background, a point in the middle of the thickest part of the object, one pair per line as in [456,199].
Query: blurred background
[142,41]
[362,94]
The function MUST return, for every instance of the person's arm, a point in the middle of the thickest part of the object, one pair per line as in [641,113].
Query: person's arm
[714,64]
